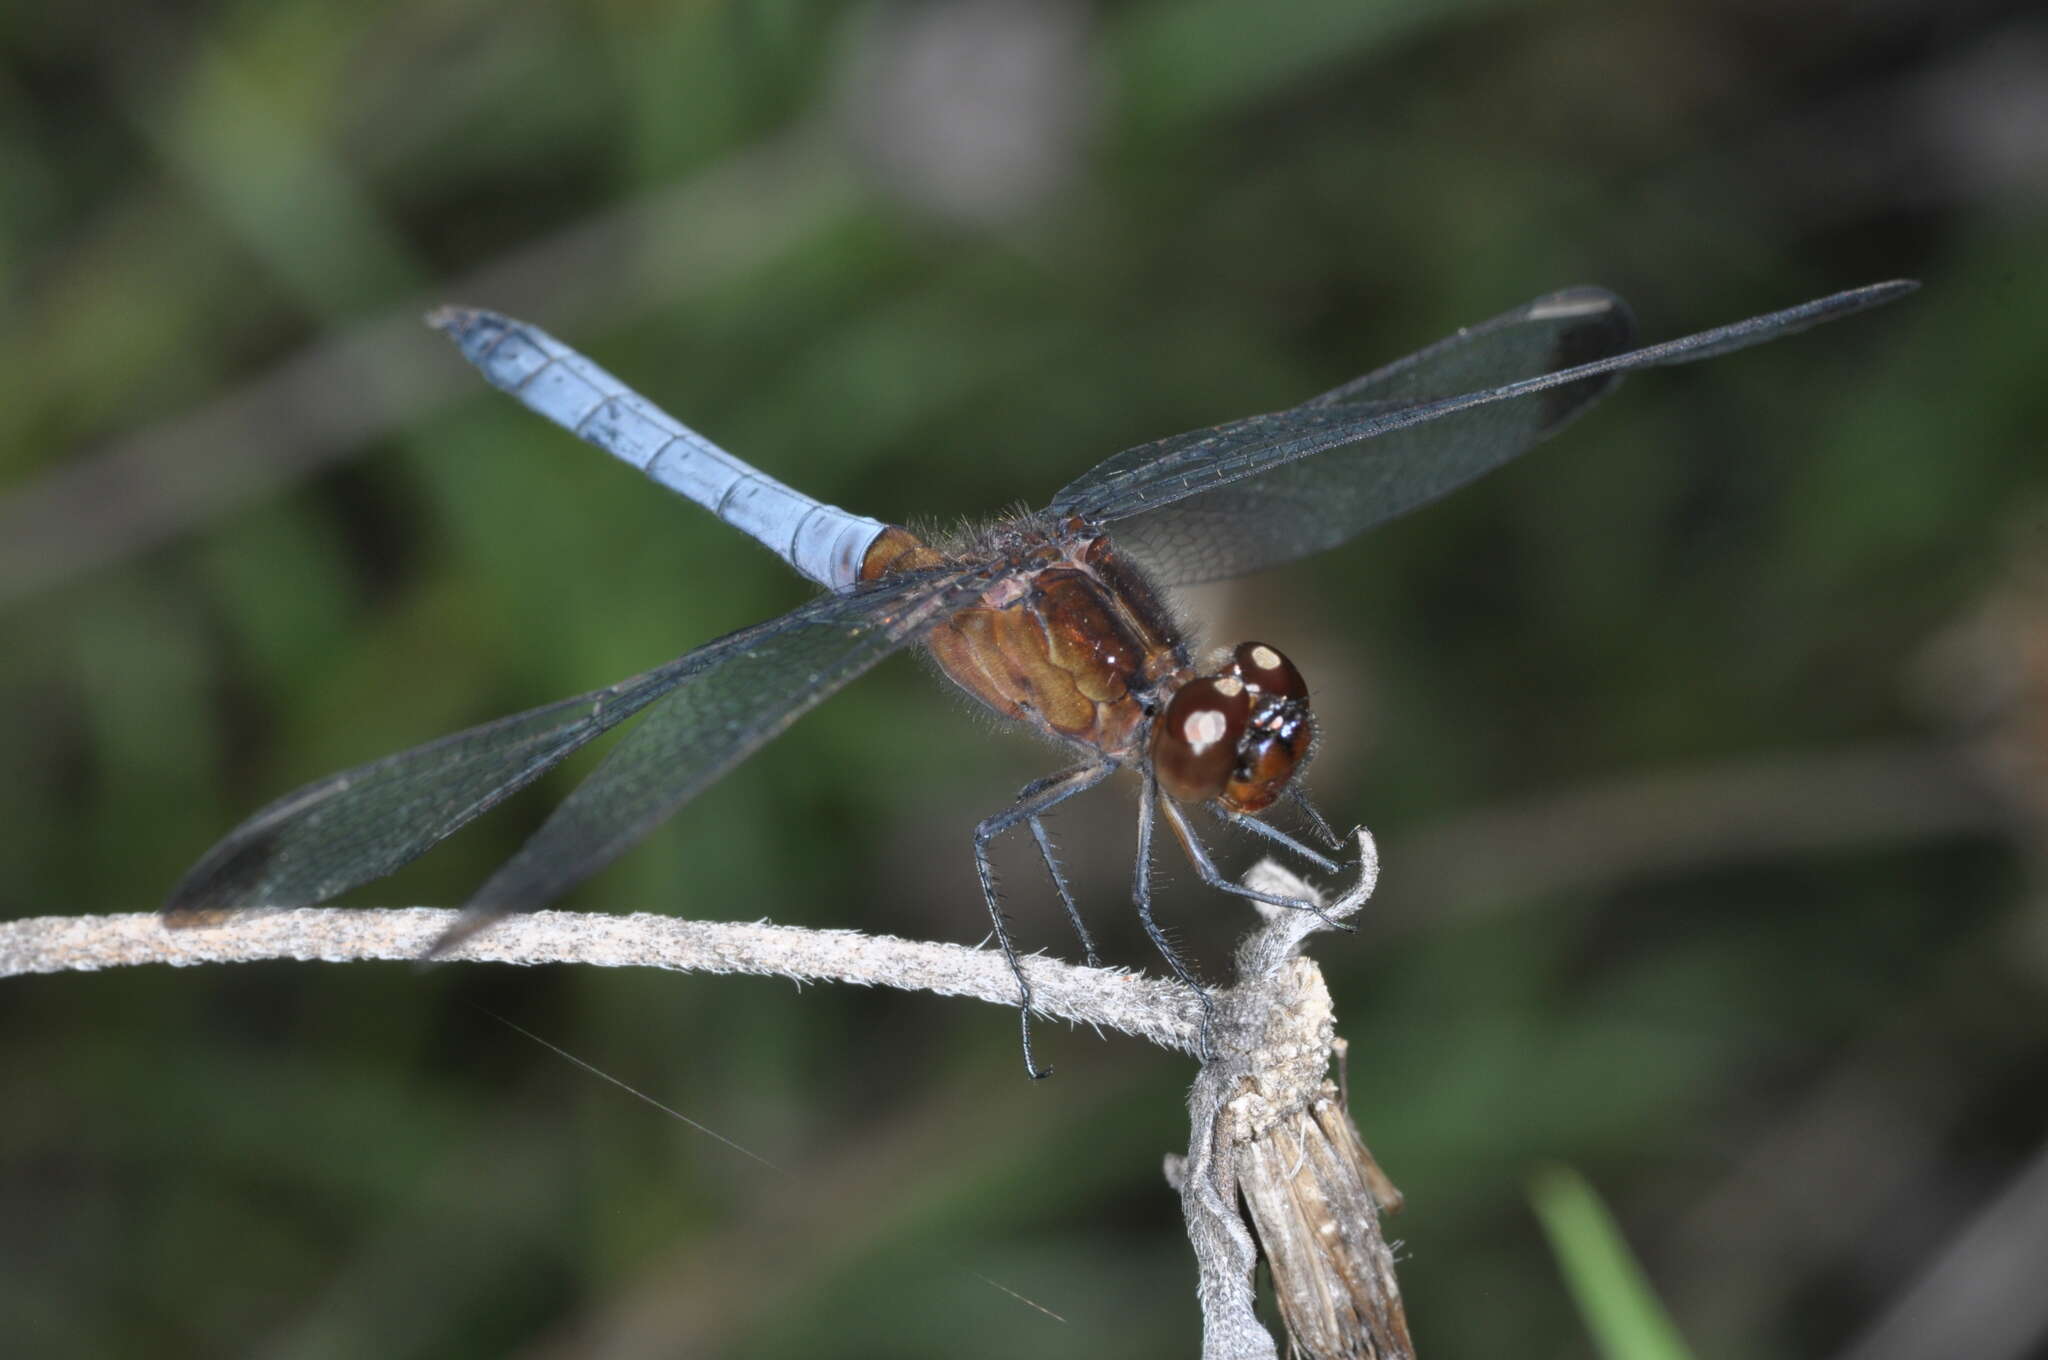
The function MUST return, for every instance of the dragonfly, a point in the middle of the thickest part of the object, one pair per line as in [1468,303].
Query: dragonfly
[1057,620]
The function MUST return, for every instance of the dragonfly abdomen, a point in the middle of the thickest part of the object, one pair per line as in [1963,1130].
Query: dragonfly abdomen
[821,541]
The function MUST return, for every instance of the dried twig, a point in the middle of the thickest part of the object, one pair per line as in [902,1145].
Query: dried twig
[1267,1122]
[1149,1008]
[1270,1130]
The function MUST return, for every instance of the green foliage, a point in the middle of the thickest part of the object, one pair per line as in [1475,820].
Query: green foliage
[257,525]
[1614,1296]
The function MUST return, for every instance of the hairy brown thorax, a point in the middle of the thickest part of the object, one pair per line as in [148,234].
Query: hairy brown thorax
[1070,639]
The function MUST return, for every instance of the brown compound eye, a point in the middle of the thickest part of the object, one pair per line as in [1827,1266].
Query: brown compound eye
[1278,733]
[1195,741]
[1271,752]
[1268,672]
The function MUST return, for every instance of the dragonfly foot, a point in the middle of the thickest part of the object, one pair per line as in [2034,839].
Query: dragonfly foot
[1031,1068]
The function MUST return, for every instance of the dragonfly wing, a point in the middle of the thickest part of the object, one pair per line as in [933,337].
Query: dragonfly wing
[361,824]
[1253,494]
[1555,331]
[742,691]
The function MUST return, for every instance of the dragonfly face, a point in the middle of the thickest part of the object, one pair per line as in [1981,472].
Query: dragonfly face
[1053,619]
[1237,736]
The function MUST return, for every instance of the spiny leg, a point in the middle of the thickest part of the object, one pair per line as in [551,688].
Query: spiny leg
[1141,894]
[1206,870]
[1044,840]
[1059,882]
[1033,801]
[1279,837]
[1297,796]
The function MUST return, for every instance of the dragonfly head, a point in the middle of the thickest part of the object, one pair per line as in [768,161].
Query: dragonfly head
[1238,735]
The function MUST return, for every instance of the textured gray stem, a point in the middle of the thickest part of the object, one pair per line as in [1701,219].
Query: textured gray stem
[1272,1034]
[1149,1008]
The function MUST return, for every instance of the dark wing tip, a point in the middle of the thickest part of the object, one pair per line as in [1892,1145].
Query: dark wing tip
[1878,294]
[197,918]
[1852,300]
[467,925]
[227,880]
[1601,326]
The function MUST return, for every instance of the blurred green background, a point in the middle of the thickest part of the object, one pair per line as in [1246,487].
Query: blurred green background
[1705,746]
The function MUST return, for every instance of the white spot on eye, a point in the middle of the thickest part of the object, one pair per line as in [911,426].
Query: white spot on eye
[1204,728]
[1229,686]
[1265,658]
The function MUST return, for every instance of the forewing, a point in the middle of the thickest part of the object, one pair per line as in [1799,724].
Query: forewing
[742,691]
[361,824]
[1255,493]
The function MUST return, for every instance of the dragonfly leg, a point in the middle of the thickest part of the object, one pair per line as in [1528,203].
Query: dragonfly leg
[1206,870]
[1278,837]
[1296,796]
[1141,895]
[1033,801]
[1059,882]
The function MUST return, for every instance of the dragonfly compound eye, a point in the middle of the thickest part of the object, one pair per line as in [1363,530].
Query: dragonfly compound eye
[1277,734]
[1268,672]
[1195,742]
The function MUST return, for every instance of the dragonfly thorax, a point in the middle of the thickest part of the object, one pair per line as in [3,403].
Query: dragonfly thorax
[1237,736]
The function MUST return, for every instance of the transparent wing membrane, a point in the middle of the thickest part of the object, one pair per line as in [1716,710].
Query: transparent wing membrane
[1265,490]
[723,701]
[743,692]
